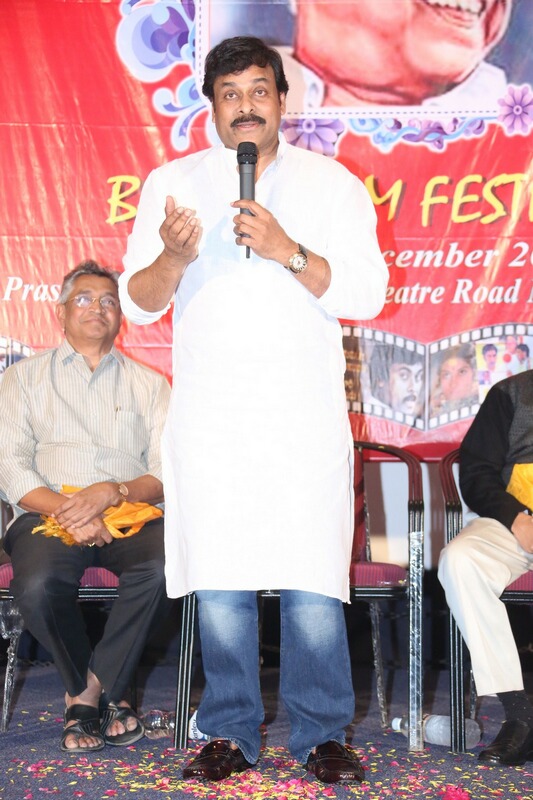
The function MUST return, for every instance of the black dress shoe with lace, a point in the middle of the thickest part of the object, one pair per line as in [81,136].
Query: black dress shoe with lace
[333,763]
[512,747]
[216,761]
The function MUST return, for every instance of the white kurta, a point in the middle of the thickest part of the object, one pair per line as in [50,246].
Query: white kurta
[257,446]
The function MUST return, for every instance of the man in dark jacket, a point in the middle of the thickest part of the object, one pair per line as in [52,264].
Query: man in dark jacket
[492,551]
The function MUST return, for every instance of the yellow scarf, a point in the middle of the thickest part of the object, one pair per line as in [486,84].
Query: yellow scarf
[127,515]
[521,484]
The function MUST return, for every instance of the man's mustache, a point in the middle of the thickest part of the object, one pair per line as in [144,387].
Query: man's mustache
[245,119]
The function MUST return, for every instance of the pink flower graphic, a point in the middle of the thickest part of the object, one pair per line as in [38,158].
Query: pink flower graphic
[517,109]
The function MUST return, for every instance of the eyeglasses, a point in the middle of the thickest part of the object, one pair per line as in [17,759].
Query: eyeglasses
[107,303]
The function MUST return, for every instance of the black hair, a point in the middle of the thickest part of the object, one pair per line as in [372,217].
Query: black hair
[383,357]
[236,55]
[465,351]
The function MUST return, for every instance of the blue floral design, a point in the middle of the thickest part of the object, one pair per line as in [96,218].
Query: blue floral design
[152,40]
[319,135]
[434,134]
[517,110]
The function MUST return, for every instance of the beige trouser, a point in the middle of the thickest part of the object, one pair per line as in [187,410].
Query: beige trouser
[474,569]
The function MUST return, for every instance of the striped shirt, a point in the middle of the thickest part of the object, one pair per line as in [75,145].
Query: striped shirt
[60,423]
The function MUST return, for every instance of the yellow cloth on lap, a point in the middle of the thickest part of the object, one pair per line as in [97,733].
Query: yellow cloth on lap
[116,518]
[521,484]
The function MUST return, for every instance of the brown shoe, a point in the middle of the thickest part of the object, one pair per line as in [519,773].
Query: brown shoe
[333,763]
[216,761]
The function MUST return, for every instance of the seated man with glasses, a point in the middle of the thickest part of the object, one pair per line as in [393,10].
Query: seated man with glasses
[80,464]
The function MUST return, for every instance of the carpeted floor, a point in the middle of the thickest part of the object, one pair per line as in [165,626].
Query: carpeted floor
[33,767]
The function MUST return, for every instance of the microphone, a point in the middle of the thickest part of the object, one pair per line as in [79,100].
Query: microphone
[247,159]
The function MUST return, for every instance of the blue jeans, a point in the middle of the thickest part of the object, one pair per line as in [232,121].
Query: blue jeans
[315,673]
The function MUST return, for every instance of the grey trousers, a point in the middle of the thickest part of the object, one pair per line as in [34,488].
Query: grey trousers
[474,569]
[46,578]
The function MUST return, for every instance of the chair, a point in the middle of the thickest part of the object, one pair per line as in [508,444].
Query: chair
[375,582]
[97,584]
[370,581]
[520,591]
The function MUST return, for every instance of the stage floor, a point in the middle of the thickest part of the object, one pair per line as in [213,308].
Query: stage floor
[34,767]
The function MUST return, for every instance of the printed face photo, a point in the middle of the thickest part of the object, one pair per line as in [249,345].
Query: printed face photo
[457,378]
[502,357]
[394,379]
[405,386]
[454,380]
[395,54]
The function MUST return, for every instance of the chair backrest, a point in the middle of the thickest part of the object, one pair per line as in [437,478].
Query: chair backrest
[374,451]
[361,536]
[6,514]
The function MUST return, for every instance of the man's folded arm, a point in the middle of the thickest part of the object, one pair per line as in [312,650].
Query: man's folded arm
[483,458]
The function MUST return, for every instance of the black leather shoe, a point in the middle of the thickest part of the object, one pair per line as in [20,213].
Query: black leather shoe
[216,761]
[512,747]
[333,763]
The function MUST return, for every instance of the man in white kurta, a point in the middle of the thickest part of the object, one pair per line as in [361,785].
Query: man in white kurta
[257,446]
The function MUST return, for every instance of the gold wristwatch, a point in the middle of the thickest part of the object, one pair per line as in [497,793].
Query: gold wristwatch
[298,261]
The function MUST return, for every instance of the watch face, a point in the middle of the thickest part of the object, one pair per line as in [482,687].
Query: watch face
[298,262]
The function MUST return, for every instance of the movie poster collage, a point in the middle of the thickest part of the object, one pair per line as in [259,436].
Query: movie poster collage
[426,386]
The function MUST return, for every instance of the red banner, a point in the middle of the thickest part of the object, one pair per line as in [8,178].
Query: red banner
[95,94]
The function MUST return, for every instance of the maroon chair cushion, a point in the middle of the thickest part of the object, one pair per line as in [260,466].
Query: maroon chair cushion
[522,584]
[93,576]
[99,578]
[6,574]
[376,573]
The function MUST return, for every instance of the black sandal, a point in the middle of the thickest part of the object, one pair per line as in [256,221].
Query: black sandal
[114,712]
[87,723]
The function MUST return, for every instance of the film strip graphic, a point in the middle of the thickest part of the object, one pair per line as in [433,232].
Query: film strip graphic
[385,375]
[11,351]
[426,386]
[510,344]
